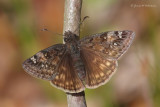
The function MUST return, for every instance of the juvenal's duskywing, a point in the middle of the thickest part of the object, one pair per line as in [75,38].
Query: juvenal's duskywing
[79,64]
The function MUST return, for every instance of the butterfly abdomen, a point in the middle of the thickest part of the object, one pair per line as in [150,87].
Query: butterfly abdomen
[77,61]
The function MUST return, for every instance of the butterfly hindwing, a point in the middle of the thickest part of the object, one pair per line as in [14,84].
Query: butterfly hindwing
[112,44]
[43,64]
[67,79]
[98,69]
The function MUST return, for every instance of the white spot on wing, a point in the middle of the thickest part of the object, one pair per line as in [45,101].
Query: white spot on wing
[45,54]
[105,37]
[120,34]
[33,59]
[115,44]
[42,65]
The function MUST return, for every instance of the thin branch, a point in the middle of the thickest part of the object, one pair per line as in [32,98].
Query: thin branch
[72,17]
[76,99]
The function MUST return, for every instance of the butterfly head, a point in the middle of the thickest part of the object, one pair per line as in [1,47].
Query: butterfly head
[70,37]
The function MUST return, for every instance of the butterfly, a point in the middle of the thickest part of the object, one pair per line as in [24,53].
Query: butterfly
[78,64]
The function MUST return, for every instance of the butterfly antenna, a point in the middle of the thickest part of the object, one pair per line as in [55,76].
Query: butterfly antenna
[44,29]
[84,18]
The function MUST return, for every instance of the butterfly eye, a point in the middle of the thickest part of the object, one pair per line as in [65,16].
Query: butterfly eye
[65,39]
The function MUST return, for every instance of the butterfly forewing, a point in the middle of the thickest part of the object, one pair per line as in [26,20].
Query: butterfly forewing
[43,64]
[112,44]
[67,79]
[98,69]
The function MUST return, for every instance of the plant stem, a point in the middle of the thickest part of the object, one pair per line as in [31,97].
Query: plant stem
[76,99]
[72,18]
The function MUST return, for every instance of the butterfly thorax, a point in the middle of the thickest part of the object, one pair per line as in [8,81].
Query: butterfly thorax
[70,37]
[71,40]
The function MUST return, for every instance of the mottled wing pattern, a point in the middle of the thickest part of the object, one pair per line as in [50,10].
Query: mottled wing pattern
[67,79]
[100,53]
[43,64]
[112,44]
[98,69]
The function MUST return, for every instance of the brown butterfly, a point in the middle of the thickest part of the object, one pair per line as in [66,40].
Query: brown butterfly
[79,64]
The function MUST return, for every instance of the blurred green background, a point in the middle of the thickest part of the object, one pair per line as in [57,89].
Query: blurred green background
[137,81]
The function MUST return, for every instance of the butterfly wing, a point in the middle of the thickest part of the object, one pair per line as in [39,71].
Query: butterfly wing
[100,53]
[55,64]
[98,69]
[112,44]
[67,79]
[43,64]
